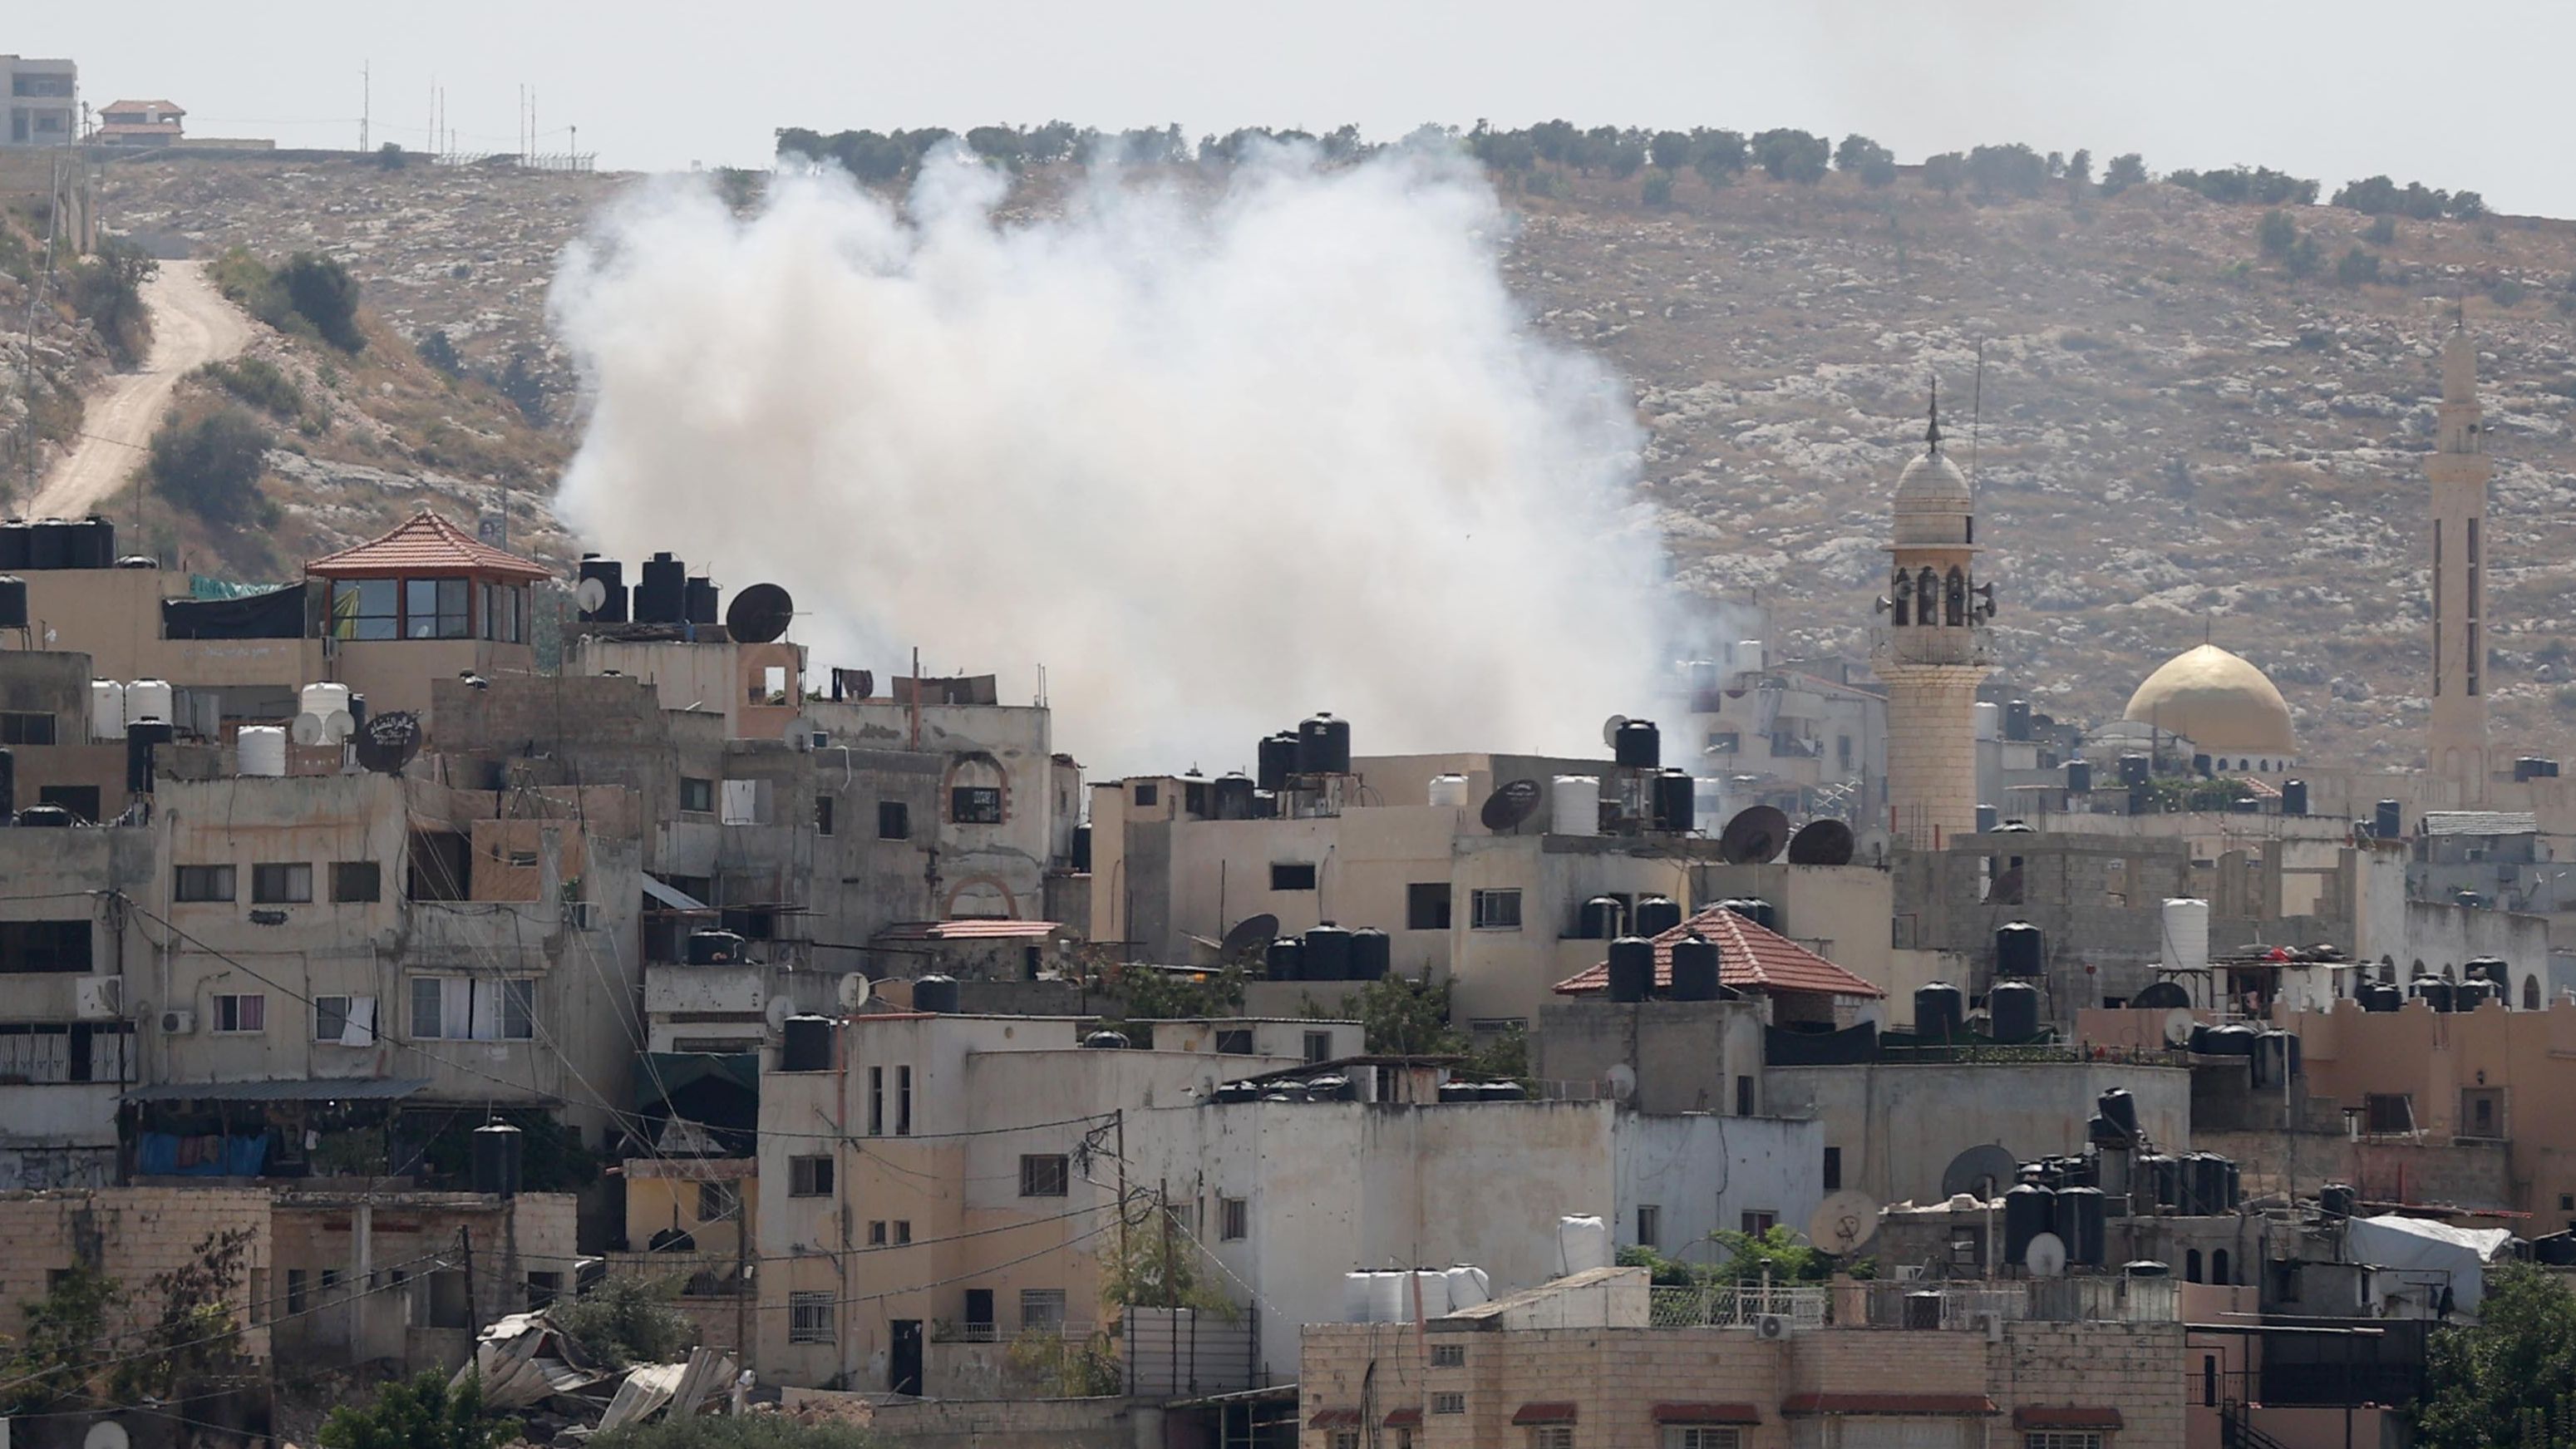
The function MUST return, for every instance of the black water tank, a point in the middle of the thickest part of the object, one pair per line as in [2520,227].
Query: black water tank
[713,948]
[806,1043]
[13,602]
[2271,1058]
[1697,970]
[2385,822]
[2145,1268]
[2471,994]
[2436,992]
[659,599]
[1323,745]
[2558,1250]
[2029,1210]
[1372,954]
[2134,770]
[46,817]
[1328,953]
[1676,801]
[1277,757]
[14,538]
[936,993]
[1988,817]
[8,785]
[1111,1041]
[2232,1040]
[612,579]
[1234,796]
[495,1158]
[2121,1109]
[1940,1011]
[2080,1219]
[142,738]
[1601,918]
[1637,745]
[2019,950]
[49,544]
[2338,1199]
[2079,776]
[2204,1184]
[2381,996]
[1081,849]
[2017,719]
[94,544]
[1632,968]
[1757,910]
[2294,797]
[1656,915]
[698,600]
[2488,968]
[1285,959]
[2154,1179]
[2012,1010]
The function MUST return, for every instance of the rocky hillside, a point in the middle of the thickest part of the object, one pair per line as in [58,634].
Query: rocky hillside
[45,369]
[2175,434]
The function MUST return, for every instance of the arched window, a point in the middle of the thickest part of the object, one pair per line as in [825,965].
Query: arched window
[2191,1266]
[1900,595]
[1958,602]
[2388,970]
[1927,591]
[2218,1267]
[2446,972]
[2531,993]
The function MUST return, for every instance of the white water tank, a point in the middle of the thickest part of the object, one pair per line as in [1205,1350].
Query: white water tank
[1582,1244]
[1449,792]
[2186,933]
[261,750]
[1468,1286]
[1747,655]
[1990,720]
[323,698]
[1433,1285]
[1574,805]
[1357,1300]
[1386,1298]
[106,710]
[151,699]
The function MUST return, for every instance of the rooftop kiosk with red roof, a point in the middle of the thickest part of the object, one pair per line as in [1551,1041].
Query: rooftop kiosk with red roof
[424,601]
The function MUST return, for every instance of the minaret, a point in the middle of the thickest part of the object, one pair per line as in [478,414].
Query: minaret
[1934,651]
[2458,471]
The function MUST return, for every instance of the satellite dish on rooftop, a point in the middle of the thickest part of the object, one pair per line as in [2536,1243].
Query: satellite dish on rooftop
[389,741]
[1610,730]
[1511,803]
[759,614]
[338,725]
[307,730]
[2166,994]
[1843,1222]
[1754,836]
[1249,934]
[1981,1171]
[854,990]
[590,594]
[1622,1080]
[2178,1025]
[2046,1256]
[1821,842]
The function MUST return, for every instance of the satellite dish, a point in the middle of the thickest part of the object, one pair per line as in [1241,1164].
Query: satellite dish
[780,1008]
[1843,1222]
[854,990]
[590,594]
[1754,836]
[2163,994]
[2046,1256]
[1610,730]
[1623,1081]
[1511,803]
[1249,935]
[307,730]
[389,741]
[1821,842]
[338,725]
[2178,1025]
[1983,1171]
[759,614]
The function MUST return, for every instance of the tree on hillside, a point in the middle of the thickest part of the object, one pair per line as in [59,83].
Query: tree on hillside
[211,466]
[2275,233]
[2079,168]
[1718,156]
[1670,150]
[2357,268]
[1944,173]
[2125,172]
[2489,1385]
[1792,155]
[1658,191]
[1873,163]
[107,289]
[2007,170]
[324,294]
[436,349]
[1001,144]
[1627,158]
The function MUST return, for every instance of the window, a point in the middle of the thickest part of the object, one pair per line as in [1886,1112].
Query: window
[241,1013]
[2482,1112]
[742,802]
[462,1008]
[1319,1046]
[437,609]
[1426,906]
[1147,793]
[1233,1219]
[1842,751]
[504,607]
[1551,1436]
[288,884]
[877,1234]
[876,1101]
[1346,1439]
[1494,910]
[697,797]
[45,946]
[1235,1041]
[975,805]
[1650,1226]
[1448,1355]
[1042,1310]
[2388,1112]
[1702,1436]
[1833,1169]
[1044,1175]
[809,1317]
[894,820]
[543,1289]
[203,883]
[718,1201]
[822,815]
[902,1232]
[333,1016]
[1292,875]
[1757,1223]
[1448,1403]
[809,1177]
[355,882]
[296,1282]
[1744,1096]
[903,1101]
[2062,1439]
[366,609]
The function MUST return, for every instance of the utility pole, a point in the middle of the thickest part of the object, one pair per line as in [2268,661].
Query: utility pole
[366,102]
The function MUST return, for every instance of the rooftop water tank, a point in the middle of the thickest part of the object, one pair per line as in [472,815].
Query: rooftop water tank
[612,583]
[260,750]
[1600,919]
[1656,915]
[13,602]
[1468,1286]
[1637,745]
[150,699]
[106,710]
[2186,934]
[2017,720]
[1632,969]
[1285,959]
[2294,797]
[805,1044]
[1676,802]
[2080,1221]
[2387,822]
[2019,949]
[1328,953]
[1582,1244]
[325,698]
[2029,1210]
[1277,756]
[1372,954]
[495,1159]
[1449,792]
[936,993]
[1235,796]
[1696,970]
[1574,805]
[2079,777]
[662,596]
[1940,1011]
[2012,1011]
[1323,745]
[1990,720]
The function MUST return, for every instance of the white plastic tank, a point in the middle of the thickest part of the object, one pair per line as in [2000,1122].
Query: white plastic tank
[2186,932]
[1433,1284]
[1386,1298]
[1990,720]
[323,698]
[1357,1288]
[1468,1286]
[1747,655]
[1582,1244]
[1449,792]
[1574,805]
[261,750]
[151,699]
[106,710]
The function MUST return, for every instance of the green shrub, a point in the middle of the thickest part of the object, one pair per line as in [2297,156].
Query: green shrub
[2276,235]
[628,1320]
[2383,231]
[2357,268]
[1659,190]
[107,289]
[212,466]
[751,1431]
[326,295]
[419,1414]
[259,382]
[2125,172]
[436,350]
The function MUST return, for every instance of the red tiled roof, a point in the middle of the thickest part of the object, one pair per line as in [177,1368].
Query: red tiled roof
[968,930]
[1748,958]
[1707,1414]
[1403,1419]
[2065,1417]
[1544,1413]
[1888,1404]
[163,106]
[425,544]
[1334,1419]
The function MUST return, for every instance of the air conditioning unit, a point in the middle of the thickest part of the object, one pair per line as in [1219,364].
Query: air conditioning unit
[1991,1325]
[178,1021]
[100,998]
[1771,1326]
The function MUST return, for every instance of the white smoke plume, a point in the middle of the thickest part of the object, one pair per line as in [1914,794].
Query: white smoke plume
[1214,460]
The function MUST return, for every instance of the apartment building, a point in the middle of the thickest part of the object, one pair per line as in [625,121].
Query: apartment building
[44,101]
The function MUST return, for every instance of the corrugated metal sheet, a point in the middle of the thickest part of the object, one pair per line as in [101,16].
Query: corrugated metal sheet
[968,930]
[2480,822]
[1182,1353]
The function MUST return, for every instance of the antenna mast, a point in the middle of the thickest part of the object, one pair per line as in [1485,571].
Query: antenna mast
[1976,410]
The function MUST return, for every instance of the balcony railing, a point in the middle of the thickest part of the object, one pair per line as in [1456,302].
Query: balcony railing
[1735,1306]
[949,1330]
[2103,1299]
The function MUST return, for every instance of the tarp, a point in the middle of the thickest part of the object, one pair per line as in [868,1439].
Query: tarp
[665,1074]
[2425,1250]
[167,1154]
[275,614]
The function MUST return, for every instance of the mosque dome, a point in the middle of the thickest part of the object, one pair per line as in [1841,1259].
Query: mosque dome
[1933,503]
[2217,701]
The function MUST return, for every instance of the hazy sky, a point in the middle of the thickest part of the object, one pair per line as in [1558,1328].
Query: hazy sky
[2458,94]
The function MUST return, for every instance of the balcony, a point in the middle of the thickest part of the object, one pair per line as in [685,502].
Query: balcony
[1963,1306]
[1736,1306]
[950,1330]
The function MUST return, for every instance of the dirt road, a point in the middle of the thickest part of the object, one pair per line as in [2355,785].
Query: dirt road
[192,324]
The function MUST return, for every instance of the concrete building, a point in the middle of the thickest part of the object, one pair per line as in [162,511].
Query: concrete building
[138,123]
[44,101]
[1799,736]
[1933,652]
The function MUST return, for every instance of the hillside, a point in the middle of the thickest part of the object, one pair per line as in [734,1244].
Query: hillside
[2175,436]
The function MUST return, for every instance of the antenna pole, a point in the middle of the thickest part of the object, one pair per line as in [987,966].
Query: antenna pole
[366,102]
[1976,410]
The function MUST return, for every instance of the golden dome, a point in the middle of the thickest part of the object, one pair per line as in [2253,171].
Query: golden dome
[2217,701]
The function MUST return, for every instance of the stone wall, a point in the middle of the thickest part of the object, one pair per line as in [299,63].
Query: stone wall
[130,1234]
